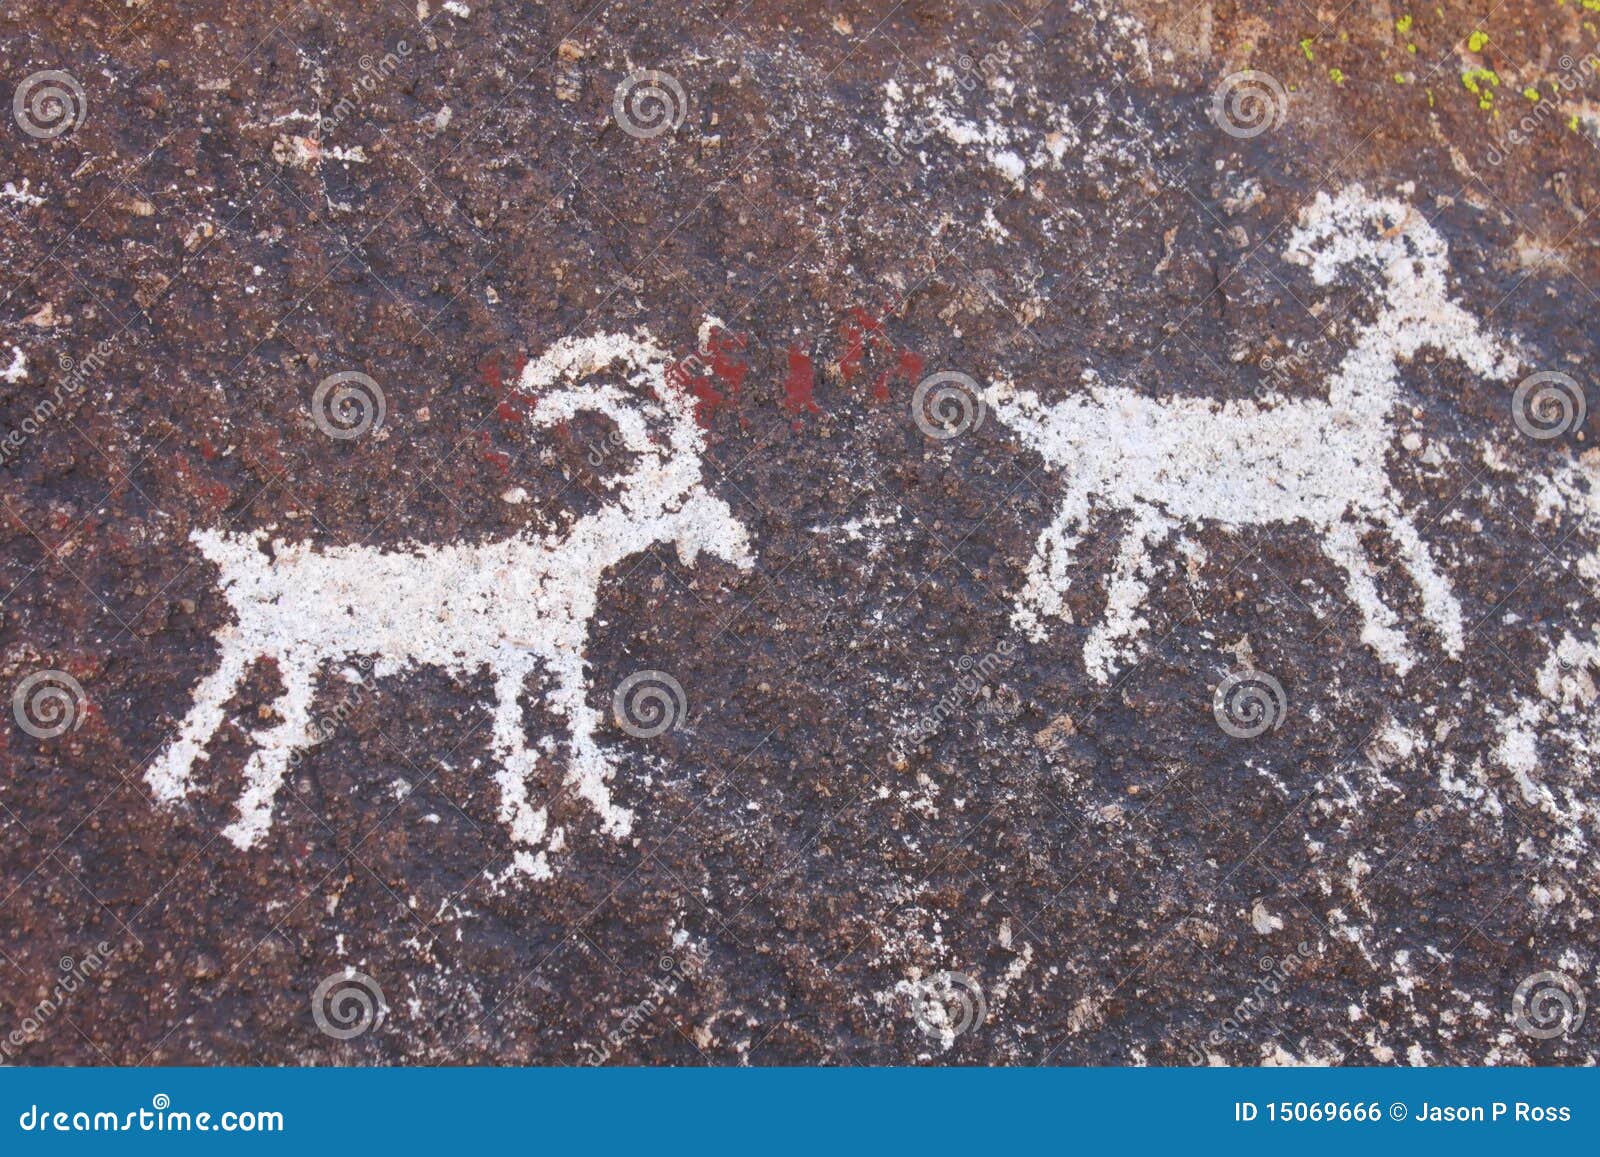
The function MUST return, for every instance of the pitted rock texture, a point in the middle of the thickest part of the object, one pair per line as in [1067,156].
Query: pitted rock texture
[892,821]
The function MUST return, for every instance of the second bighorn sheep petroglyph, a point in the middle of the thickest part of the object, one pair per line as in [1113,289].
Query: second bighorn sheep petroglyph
[518,607]
[1168,462]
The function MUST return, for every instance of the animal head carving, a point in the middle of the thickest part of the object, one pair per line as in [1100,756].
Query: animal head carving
[1388,244]
[1368,235]
[624,378]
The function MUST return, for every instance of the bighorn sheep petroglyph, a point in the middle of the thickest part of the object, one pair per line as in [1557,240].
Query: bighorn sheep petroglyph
[519,606]
[1170,461]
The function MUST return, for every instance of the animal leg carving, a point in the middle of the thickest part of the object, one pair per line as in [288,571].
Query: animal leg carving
[1049,573]
[590,769]
[263,774]
[525,822]
[1439,603]
[172,770]
[1106,647]
[1380,628]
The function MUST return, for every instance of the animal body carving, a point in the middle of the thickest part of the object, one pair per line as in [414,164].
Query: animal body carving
[1170,462]
[519,607]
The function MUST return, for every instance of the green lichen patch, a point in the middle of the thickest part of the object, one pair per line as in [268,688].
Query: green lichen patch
[1481,83]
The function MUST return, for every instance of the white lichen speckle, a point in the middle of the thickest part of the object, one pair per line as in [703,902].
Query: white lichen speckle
[18,369]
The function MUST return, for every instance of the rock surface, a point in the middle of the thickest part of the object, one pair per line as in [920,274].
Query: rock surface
[1182,803]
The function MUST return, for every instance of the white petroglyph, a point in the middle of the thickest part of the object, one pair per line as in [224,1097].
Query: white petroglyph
[518,607]
[1550,740]
[980,112]
[1177,461]
[18,369]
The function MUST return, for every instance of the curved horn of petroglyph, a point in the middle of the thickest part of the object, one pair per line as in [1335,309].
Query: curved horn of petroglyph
[519,607]
[656,423]
[1168,462]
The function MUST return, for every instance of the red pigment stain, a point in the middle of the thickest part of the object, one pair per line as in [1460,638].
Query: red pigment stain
[685,374]
[489,371]
[214,493]
[262,446]
[514,403]
[729,370]
[908,367]
[207,450]
[487,453]
[854,335]
[862,332]
[799,388]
